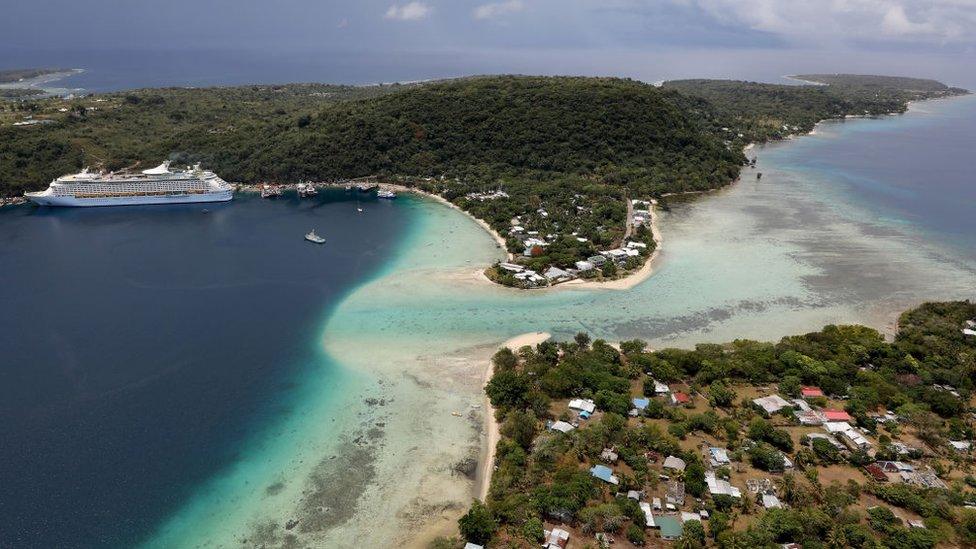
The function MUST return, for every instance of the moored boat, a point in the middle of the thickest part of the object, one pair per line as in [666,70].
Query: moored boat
[312,237]
[159,185]
[386,194]
[306,190]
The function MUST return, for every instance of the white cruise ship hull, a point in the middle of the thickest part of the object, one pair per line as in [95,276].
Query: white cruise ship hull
[49,199]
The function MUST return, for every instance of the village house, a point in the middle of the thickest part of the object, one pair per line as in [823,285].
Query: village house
[720,487]
[584,266]
[660,388]
[674,463]
[811,392]
[770,501]
[561,426]
[639,405]
[719,457]
[848,435]
[604,473]
[582,405]
[679,398]
[771,404]
[674,494]
[557,538]
[961,446]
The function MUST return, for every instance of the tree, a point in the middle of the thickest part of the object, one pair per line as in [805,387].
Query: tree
[694,531]
[632,347]
[720,395]
[695,479]
[478,524]
[521,427]
[790,386]
[583,340]
[765,457]
[534,529]
[507,389]
[504,360]
[635,534]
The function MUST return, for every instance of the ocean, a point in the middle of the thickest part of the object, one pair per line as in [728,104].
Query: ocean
[180,378]
[113,69]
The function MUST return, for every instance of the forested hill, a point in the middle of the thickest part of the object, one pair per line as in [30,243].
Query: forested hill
[882,84]
[482,129]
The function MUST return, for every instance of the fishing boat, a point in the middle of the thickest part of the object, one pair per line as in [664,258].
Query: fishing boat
[312,237]
[386,194]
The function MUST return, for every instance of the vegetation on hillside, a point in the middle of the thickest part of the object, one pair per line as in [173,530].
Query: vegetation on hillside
[923,379]
[747,112]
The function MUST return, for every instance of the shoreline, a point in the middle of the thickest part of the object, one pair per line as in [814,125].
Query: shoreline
[492,427]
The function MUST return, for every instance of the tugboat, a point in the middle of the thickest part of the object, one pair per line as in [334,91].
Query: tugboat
[386,194]
[312,237]
[267,191]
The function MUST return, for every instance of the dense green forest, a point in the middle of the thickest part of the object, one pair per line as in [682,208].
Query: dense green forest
[924,377]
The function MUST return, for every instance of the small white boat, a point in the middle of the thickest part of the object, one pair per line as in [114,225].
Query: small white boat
[360,210]
[305,190]
[386,194]
[312,237]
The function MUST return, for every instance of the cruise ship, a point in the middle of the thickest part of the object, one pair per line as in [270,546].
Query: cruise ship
[158,185]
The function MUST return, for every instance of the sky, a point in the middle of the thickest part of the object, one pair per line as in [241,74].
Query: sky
[642,38]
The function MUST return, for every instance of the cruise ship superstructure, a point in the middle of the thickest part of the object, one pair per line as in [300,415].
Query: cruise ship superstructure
[159,185]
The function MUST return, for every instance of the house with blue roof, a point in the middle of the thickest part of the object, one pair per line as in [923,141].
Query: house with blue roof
[604,473]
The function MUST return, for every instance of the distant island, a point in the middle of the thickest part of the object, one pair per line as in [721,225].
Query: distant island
[835,438]
[564,170]
[17,75]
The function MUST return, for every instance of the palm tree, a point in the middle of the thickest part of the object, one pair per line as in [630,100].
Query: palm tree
[836,538]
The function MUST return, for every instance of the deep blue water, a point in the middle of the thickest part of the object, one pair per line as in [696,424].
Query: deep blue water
[142,346]
[914,169]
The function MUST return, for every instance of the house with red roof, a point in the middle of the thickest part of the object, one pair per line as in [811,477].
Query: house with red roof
[811,392]
[835,415]
[876,472]
[679,398]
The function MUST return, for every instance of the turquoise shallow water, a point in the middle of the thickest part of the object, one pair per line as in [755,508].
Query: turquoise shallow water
[804,246]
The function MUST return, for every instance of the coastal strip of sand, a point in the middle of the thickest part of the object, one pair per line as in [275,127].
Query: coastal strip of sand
[491,423]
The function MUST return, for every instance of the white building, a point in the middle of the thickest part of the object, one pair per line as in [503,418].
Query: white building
[717,486]
[772,403]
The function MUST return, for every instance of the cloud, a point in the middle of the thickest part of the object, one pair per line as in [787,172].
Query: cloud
[412,11]
[498,9]
[938,21]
